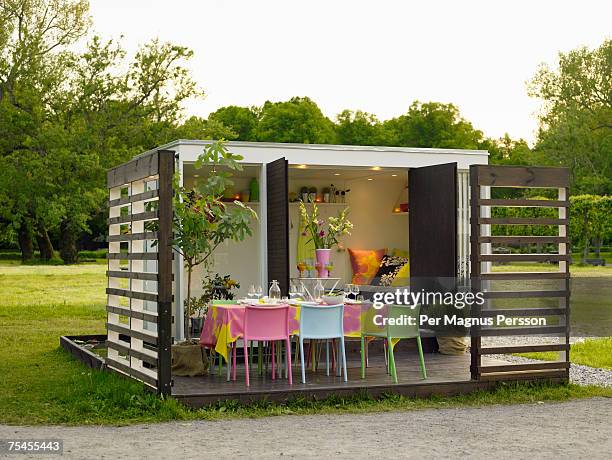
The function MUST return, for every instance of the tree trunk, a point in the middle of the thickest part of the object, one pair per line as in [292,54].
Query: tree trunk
[188,305]
[597,247]
[44,242]
[68,249]
[24,237]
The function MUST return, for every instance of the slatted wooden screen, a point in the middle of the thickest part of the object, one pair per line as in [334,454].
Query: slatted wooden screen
[277,192]
[482,180]
[139,315]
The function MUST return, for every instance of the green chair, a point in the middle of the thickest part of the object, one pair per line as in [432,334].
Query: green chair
[390,332]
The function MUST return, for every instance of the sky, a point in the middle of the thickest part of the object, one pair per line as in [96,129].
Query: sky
[377,55]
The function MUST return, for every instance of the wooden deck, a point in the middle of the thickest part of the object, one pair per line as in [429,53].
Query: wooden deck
[447,375]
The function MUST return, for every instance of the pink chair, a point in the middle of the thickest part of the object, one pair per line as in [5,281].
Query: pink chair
[267,324]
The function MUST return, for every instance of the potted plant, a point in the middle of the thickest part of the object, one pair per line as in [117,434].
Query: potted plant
[202,221]
[323,234]
[214,287]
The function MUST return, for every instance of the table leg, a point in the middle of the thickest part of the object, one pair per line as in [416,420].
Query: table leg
[260,357]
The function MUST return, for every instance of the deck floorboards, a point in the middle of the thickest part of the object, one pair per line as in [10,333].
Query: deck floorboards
[446,375]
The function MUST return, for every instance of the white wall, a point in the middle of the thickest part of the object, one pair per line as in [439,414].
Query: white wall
[371,212]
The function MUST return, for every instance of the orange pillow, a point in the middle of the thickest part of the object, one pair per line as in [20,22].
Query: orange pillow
[365,263]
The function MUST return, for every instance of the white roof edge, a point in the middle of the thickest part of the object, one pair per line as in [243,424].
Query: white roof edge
[280,145]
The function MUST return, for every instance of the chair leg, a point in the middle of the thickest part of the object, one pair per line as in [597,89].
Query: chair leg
[392,368]
[228,362]
[421,358]
[327,357]
[246,363]
[339,367]
[343,358]
[260,357]
[302,359]
[297,350]
[235,348]
[273,357]
[386,353]
[220,367]
[363,360]
[288,354]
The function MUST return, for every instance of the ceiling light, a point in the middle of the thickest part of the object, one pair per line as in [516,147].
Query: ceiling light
[196,175]
[302,166]
[393,175]
[370,178]
[336,174]
[376,168]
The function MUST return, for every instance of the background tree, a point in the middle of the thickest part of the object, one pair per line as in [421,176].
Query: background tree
[298,120]
[241,120]
[576,120]
[433,124]
[359,128]
[67,117]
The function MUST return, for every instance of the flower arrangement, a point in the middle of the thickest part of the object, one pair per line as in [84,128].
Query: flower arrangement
[325,236]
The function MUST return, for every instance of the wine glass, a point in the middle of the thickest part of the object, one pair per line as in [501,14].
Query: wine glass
[347,290]
[252,293]
[355,291]
[259,292]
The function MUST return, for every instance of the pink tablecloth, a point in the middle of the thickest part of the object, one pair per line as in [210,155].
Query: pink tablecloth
[225,324]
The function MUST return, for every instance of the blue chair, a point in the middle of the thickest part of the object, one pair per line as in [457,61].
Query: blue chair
[322,322]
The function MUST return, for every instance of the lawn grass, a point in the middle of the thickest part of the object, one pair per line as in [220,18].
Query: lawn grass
[41,384]
[591,352]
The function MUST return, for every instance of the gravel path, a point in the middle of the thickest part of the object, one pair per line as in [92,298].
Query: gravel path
[579,374]
[575,429]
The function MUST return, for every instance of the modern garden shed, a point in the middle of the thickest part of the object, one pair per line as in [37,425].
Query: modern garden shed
[434,204]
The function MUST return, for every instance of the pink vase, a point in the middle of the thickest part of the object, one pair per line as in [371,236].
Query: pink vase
[323,262]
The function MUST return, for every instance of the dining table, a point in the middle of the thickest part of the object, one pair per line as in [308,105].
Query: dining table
[224,324]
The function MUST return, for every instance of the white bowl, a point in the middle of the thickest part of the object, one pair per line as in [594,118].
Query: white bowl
[333,299]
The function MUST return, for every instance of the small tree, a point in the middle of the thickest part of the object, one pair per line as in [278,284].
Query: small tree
[202,221]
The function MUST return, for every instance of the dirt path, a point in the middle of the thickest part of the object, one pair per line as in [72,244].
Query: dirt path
[575,429]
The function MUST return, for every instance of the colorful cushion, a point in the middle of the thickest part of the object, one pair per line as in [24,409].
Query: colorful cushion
[403,277]
[365,263]
[388,270]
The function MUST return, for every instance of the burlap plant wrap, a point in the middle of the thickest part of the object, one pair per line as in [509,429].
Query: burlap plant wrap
[451,345]
[189,359]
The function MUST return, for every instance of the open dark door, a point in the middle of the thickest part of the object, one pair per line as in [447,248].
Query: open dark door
[432,197]
[277,197]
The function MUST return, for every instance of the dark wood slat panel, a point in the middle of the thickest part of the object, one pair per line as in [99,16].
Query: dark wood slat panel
[132,294]
[475,268]
[524,349]
[146,316]
[561,375]
[432,235]
[523,239]
[132,256]
[523,275]
[139,168]
[522,221]
[522,294]
[525,367]
[133,237]
[522,176]
[164,285]
[133,198]
[131,333]
[523,257]
[132,372]
[132,275]
[524,312]
[277,188]
[524,203]
[149,215]
[523,331]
